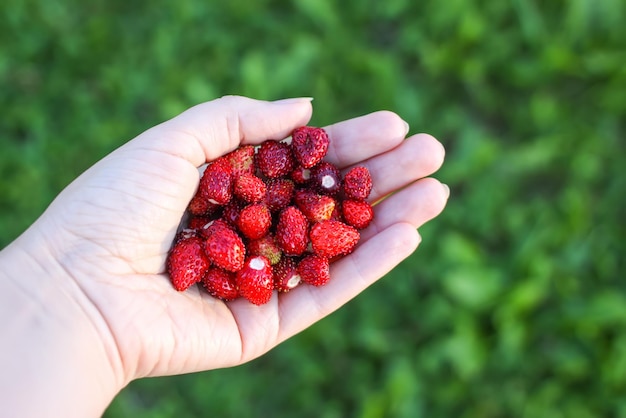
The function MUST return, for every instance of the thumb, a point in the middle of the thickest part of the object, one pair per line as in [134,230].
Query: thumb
[209,130]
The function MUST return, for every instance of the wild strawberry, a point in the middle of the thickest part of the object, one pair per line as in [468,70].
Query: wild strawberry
[357,183]
[357,213]
[200,205]
[291,231]
[315,207]
[255,280]
[197,222]
[309,145]
[213,226]
[241,160]
[274,159]
[336,215]
[249,188]
[314,270]
[225,248]
[269,216]
[286,275]
[187,263]
[230,212]
[300,175]
[279,194]
[220,284]
[254,221]
[333,238]
[265,246]
[185,233]
[326,178]
[217,182]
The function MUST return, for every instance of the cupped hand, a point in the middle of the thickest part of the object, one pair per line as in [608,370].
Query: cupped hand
[110,231]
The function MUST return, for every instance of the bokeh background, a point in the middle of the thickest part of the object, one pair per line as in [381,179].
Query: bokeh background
[515,303]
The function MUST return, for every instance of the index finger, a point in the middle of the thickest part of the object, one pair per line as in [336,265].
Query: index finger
[358,139]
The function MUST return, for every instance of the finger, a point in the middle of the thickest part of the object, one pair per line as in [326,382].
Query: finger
[211,129]
[349,276]
[414,205]
[361,138]
[416,157]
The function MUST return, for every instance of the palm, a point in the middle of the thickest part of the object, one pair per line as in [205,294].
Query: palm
[126,210]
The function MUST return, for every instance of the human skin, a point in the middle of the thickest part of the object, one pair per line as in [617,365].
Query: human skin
[85,305]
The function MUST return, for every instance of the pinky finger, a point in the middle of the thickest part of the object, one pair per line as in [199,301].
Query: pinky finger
[351,275]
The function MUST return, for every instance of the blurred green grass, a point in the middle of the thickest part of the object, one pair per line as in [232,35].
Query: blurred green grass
[513,305]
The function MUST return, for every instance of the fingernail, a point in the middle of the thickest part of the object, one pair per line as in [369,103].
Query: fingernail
[293,100]
[406,127]
[447,189]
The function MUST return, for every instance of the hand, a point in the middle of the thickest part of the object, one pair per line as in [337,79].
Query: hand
[107,235]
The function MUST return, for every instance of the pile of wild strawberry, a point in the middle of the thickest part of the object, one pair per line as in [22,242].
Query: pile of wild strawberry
[270,217]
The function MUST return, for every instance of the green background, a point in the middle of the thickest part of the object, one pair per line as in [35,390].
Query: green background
[514,305]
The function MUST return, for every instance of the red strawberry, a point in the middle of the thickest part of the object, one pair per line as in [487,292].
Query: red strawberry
[216,225]
[309,145]
[185,233]
[314,270]
[333,238]
[187,263]
[265,246]
[275,159]
[315,207]
[224,247]
[231,212]
[269,216]
[326,178]
[357,213]
[254,221]
[291,231]
[255,280]
[197,222]
[220,284]
[286,275]
[217,182]
[336,215]
[200,205]
[241,160]
[300,175]
[249,188]
[357,183]
[279,194]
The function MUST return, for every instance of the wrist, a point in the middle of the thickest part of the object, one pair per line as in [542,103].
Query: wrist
[52,350]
